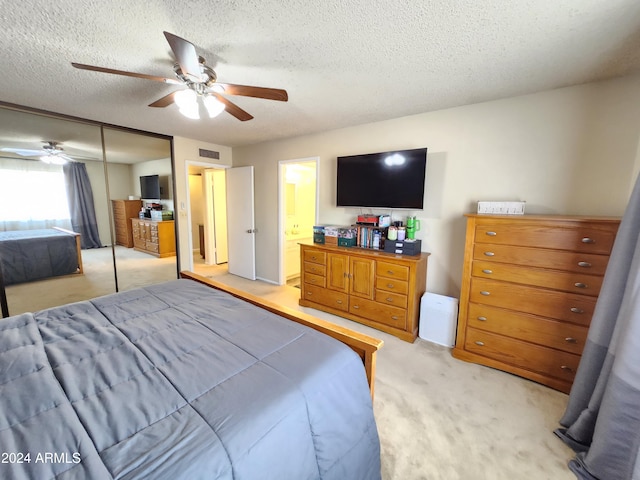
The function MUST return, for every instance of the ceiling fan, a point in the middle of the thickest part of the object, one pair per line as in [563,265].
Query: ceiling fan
[201,84]
[51,152]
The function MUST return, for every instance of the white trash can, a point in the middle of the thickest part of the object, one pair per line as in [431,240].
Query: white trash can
[438,319]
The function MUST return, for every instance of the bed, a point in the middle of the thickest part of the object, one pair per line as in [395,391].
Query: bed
[185,379]
[27,255]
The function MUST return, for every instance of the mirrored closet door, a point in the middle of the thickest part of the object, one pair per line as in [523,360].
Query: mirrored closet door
[61,181]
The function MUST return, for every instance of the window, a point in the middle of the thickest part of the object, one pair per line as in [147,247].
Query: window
[32,196]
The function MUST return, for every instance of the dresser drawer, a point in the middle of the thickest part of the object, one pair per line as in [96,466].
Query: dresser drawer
[392,285]
[587,238]
[315,256]
[391,270]
[539,330]
[554,279]
[389,298]
[315,268]
[312,279]
[330,298]
[385,314]
[579,262]
[536,358]
[538,301]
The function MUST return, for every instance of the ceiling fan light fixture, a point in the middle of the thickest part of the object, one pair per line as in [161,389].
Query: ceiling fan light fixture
[214,106]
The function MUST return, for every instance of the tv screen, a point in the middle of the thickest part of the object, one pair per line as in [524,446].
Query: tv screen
[390,179]
[150,187]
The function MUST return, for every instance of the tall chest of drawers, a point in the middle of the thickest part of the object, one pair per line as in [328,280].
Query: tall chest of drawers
[123,211]
[529,288]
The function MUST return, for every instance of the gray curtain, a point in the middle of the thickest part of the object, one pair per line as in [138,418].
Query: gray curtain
[81,207]
[602,420]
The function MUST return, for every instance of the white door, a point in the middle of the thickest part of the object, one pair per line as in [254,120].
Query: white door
[241,223]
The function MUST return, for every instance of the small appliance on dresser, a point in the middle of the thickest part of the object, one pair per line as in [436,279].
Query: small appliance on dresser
[529,288]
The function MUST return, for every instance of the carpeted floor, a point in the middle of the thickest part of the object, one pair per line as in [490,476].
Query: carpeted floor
[438,418]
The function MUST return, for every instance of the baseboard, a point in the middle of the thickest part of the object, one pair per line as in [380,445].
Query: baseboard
[267,281]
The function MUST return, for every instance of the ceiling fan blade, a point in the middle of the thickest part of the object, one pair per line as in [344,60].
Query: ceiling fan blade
[186,56]
[164,101]
[256,92]
[233,109]
[23,152]
[93,68]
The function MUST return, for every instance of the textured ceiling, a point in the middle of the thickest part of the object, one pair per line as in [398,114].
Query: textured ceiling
[343,62]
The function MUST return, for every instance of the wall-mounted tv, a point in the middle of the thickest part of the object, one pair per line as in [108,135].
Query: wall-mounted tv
[390,179]
[150,187]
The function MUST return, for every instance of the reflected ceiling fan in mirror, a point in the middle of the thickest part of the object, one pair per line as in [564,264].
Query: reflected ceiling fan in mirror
[51,152]
[202,91]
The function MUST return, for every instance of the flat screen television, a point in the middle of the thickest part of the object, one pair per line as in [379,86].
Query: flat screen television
[390,179]
[150,187]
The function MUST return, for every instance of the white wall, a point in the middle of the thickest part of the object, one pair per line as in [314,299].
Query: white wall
[568,151]
[187,150]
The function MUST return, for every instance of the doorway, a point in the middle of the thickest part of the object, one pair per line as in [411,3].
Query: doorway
[207,215]
[298,200]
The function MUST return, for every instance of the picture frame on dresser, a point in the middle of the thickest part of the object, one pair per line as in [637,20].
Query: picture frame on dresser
[529,288]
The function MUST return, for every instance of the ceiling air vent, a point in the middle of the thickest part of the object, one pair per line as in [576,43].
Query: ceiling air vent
[209,154]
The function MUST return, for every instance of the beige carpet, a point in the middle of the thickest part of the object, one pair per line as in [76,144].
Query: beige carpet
[438,418]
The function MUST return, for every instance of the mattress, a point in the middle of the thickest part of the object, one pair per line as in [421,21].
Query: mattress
[179,380]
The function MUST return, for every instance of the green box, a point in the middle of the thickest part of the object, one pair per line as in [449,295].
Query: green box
[346,242]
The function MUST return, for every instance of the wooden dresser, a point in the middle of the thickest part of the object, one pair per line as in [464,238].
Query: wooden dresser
[529,288]
[123,210]
[155,237]
[378,289]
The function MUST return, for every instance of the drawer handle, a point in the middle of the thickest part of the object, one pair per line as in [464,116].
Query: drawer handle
[487,271]
[580,285]
[482,319]
[390,300]
[491,234]
[339,302]
[309,293]
[577,310]
[356,307]
[485,293]
[489,254]
[570,340]
[478,342]
[394,317]
[389,285]
[390,272]
[584,264]
[566,368]
[588,240]
[313,257]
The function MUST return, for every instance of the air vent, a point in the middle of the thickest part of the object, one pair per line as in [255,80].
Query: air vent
[209,154]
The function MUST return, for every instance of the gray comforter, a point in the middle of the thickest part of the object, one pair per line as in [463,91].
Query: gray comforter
[27,255]
[180,381]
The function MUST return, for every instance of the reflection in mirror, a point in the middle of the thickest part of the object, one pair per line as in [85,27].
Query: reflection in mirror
[143,225]
[49,256]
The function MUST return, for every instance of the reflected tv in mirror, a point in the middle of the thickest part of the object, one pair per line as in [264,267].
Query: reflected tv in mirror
[393,179]
[150,187]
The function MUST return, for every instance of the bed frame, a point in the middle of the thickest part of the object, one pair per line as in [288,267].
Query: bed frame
[78,245]
[365,346]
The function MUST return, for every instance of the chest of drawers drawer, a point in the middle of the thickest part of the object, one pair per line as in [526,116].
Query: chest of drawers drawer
[539,330]
[586,238]
[589,263]
[539,277]
[536,358]
[315,268]
[385,314]
[537,301]
[315,256]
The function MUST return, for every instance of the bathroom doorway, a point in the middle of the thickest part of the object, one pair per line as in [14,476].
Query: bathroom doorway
[298,200]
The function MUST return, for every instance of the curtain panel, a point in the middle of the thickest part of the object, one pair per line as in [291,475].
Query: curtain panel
[81,206]
[602,419]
